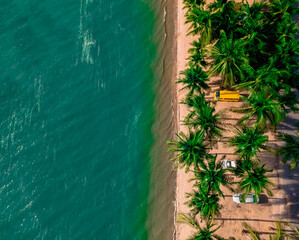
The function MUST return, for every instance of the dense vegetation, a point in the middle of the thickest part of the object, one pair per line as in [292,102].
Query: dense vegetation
[253,48]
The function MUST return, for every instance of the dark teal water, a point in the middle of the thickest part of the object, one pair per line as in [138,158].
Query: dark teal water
[76,100]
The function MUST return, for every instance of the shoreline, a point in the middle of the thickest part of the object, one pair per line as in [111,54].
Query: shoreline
[163,177]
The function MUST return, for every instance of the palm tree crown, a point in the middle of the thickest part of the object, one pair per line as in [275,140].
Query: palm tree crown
[248,142]
[203,116]
[263,108]
[256,180]
[228,58]
[206,233]
[205,202]
[290,151]
[212,177]
[195,79]
[191,149]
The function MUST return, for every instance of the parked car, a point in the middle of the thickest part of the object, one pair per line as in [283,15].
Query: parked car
[227,96]
[250,198]
[228,164]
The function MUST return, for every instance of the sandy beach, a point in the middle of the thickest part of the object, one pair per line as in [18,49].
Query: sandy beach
[260,216]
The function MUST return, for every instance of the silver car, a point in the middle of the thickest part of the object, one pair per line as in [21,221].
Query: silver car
[228,164]
[250,198]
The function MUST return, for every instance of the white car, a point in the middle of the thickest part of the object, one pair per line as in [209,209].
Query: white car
[228,164]
[250,198]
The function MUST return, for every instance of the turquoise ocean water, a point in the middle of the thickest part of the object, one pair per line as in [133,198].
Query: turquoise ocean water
[76,100]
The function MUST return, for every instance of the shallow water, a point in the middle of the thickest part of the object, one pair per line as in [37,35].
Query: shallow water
[77,109]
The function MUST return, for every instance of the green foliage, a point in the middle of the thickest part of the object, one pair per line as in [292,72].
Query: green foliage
[248,229]
[194,79]
[228,58]
[197,57]
[255,179]
[290,151]
[223,17]
[212,176]
[202,116]
[206,233]
[190,149]
[279,234]
[295,231]
[248,142]
[263,109]
[204,202]
[200,21]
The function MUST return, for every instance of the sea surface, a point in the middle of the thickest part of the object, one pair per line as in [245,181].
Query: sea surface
[77,108]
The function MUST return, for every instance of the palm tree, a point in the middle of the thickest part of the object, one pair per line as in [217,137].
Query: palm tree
[243,165]
[290,151]
[203,116]
[190,4]
[205,202]
[253,235]
[295,234]
[190,148]
[264,78]
[212,177]
[224,17]
[256,180]
[279,234]
[252,30]
[195,79]
[261,106]
[279,8]
[202,233]
[197,57]
[228,58]
[248,142]
[200,24]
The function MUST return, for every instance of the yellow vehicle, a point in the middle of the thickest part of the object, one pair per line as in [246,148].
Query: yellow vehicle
[227,96]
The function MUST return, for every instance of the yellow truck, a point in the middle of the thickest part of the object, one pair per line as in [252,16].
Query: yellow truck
[227,96]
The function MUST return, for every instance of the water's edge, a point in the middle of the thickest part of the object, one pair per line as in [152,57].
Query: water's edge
[161,217]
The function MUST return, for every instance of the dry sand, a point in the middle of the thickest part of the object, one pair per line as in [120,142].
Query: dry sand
[260,216]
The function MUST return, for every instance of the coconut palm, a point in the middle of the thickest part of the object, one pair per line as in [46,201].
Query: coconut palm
[263,108]
[279,234]
[285,57]
[279,8]
[253,23]
[264,78]
[212,177]
[287,100]
[203,116]
[248,142]
[194,79]
[243,165]
[193,100]
[224,17]
[256,180]
[228,58]
[206,233]
[190,4]
[248,229]
[197,57]
[290,151]
[295,231]
[200,21]
[205,202]
[190,149]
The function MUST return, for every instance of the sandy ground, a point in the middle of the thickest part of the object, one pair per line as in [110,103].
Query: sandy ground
[260,216]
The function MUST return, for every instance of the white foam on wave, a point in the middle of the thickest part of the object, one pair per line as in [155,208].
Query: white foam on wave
[38,89]
[85,35]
